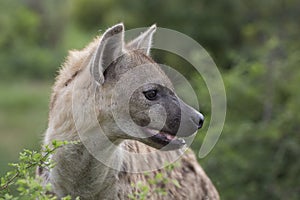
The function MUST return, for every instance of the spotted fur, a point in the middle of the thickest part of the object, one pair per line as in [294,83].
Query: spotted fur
[77,172]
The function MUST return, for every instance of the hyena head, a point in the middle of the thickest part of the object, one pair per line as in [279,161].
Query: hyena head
[135,99]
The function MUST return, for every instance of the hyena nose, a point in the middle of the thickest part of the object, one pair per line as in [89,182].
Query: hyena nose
[200,120]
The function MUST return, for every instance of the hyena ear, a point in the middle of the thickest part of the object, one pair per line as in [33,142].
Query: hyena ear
[143,42]
[109,49]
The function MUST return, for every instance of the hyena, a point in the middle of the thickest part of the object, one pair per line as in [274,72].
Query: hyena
[84,98]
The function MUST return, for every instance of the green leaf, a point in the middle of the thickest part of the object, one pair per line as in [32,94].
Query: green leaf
[176,183]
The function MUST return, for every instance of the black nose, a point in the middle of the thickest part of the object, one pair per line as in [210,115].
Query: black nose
[198,120]
[201,121]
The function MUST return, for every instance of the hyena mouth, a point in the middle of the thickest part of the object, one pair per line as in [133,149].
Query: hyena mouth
[164,140]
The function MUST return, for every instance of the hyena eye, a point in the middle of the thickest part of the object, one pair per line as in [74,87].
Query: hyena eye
[151,94]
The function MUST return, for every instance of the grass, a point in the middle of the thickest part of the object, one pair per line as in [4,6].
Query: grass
[23,118]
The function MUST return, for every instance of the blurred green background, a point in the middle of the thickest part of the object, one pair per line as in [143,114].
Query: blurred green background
[254,43]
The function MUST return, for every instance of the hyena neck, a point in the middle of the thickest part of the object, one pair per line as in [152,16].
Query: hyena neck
[79,173]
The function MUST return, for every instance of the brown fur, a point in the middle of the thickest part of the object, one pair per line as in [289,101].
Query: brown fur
[194,183]
[78,173]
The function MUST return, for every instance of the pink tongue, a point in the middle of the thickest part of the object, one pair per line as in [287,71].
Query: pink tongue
[170,137]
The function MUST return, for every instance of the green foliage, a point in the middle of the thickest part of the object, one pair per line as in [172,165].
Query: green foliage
[21,183]
[259,149]
[23,117]
[30,38]
[254,43]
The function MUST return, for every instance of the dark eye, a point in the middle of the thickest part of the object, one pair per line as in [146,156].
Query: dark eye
[151,94]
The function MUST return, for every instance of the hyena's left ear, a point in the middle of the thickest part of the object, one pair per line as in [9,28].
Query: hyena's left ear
[143,42]
[109,49]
